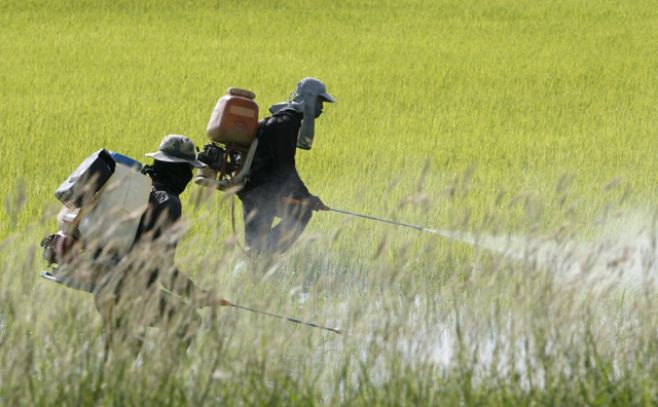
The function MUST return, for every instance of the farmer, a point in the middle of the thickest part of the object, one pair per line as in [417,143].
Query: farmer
[129,297]
[274,188]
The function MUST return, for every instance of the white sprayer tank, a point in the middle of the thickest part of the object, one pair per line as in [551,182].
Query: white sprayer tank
[114,218]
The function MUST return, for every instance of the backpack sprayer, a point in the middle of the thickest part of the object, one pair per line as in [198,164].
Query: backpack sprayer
[103,201]
[232,130]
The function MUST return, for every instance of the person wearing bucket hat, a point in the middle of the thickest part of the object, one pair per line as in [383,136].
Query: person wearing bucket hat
[274,188]
[171,172]
[132,300]
[175,148]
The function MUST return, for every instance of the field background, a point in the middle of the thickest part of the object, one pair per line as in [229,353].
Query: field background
[494,118]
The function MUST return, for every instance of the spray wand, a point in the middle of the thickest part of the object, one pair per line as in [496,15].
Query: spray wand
[224,303]
[440,232]
[392,222]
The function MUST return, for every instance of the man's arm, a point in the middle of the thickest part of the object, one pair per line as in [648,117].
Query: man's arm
[178,283]
[157,224]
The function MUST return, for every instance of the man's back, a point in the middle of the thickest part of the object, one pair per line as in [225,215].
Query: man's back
[164,209]
[273,171]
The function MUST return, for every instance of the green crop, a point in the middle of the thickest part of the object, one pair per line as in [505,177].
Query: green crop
[528,127]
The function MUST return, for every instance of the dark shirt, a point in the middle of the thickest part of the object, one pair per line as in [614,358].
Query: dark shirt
[164,209]
[273,173]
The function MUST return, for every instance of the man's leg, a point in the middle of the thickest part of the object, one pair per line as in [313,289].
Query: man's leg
[258,218]
[294,219]
[120,331]
[179,319]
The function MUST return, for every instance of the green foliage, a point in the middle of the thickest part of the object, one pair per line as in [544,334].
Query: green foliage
[491,117]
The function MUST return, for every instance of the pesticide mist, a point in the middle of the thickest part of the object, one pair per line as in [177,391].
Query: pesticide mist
[624,253]
[620,261]
[524,131]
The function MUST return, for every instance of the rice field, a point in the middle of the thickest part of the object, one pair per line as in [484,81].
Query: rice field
[525,131]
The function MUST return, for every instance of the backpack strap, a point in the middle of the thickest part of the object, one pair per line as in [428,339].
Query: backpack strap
[262,124]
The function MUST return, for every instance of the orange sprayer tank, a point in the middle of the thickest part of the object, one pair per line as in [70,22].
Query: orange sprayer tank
[235,118]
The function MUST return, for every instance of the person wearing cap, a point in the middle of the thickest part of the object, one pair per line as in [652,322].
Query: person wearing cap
[274,188]
[131,298]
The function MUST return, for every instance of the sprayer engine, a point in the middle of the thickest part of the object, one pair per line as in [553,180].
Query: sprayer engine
[59,248]
[225,160]
[232,131]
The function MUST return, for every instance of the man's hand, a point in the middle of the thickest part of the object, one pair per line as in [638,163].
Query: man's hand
[315,203]
[208,299]
[222,302]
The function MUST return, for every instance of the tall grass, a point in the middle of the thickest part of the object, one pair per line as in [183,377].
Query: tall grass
[433,325]
[526,92]
[526,127]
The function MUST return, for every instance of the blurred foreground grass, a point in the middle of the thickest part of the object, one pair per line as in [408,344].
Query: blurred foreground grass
[529,127]
[550,320]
